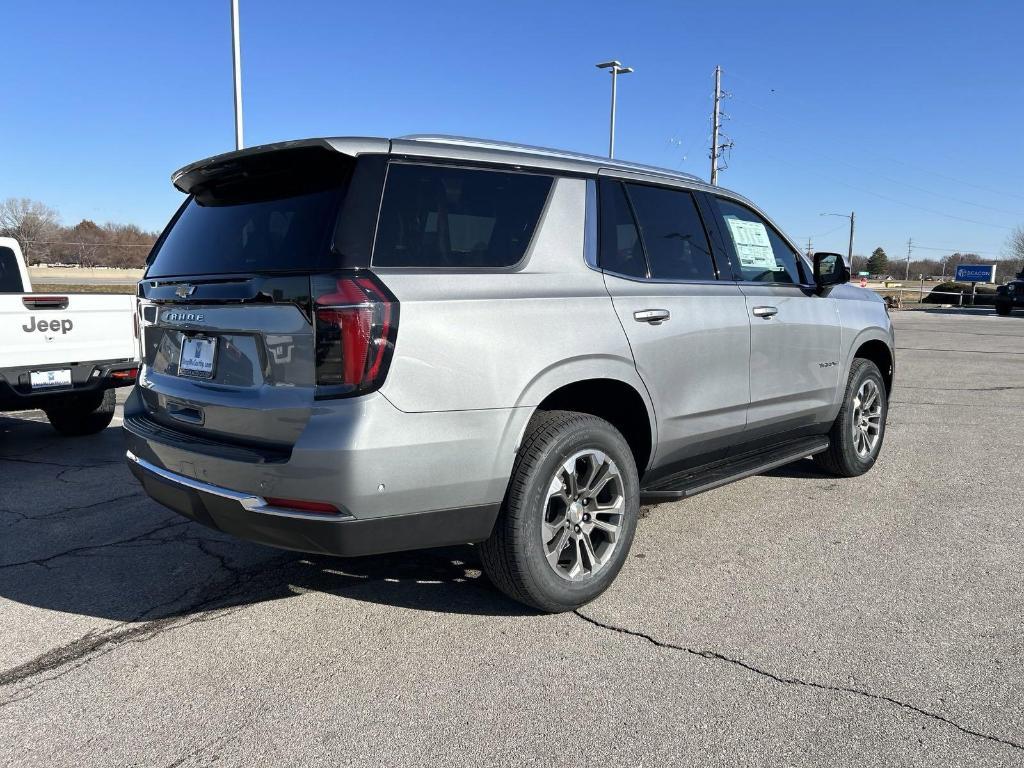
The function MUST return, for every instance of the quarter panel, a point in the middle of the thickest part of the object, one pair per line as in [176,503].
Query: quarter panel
[476,339]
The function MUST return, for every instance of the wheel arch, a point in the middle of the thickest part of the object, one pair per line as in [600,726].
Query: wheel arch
[880,353]
[623,404]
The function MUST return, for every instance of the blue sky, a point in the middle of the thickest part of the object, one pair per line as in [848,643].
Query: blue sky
[909,113]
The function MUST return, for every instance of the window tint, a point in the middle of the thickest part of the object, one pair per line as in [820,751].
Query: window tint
[277,213]
[10,275]
[436,216]
[672,232]
[759,253]
[620,249]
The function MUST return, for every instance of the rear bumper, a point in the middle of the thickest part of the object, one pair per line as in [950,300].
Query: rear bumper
[402,480]
[252,518]
[16,393]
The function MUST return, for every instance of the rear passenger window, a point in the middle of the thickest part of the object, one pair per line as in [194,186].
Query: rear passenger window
[620,249]
[439,216]
[10,274]
[672,232]
[760,254]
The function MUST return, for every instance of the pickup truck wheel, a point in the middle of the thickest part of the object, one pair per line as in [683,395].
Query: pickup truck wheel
[569,515]
[82,414]
[857,433]
[1003,309]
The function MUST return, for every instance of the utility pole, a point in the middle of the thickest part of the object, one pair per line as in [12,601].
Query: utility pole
[849,255]
[616,70]
[236,60]
[910,246]
[716,124]
[719,143]
[810,248]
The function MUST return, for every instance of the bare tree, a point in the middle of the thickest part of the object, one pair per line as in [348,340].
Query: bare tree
[31,223]
[1015,250]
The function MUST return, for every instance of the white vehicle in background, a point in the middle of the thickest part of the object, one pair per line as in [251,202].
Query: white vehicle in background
[63,353]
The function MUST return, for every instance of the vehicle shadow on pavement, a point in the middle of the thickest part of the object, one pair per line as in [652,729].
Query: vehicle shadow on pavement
[78,535]
[805,469]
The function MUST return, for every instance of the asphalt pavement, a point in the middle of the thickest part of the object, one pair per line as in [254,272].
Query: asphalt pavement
[788,619]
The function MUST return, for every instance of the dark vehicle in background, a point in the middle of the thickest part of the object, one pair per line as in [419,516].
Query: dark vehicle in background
[1010,297]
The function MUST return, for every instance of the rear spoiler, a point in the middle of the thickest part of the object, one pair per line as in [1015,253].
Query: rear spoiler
[266,156]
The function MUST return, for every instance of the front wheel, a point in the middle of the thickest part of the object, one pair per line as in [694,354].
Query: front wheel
[569,515]
[857,433]
[84,414]
[1003,309]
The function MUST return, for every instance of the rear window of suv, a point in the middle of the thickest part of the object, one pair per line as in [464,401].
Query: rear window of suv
[448,217]
[279,215]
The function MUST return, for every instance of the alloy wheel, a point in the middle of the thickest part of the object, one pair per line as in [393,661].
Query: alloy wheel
[583,515]
[867,418]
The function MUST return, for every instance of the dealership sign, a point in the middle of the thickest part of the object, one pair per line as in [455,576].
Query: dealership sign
[975,273]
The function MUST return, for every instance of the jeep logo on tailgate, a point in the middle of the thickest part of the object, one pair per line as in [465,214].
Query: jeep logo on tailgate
[48,326]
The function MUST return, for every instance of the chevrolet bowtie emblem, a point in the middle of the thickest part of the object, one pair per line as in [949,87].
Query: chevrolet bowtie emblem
[184,291]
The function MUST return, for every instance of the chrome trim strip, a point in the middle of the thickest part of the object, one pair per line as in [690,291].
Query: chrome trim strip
[247,501]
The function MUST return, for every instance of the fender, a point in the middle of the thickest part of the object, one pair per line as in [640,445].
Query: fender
[570,371]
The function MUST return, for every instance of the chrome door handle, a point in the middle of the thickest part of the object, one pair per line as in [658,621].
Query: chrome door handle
[652,316]
[766,312]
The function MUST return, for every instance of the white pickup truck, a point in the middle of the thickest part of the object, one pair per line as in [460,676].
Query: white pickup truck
[63,353]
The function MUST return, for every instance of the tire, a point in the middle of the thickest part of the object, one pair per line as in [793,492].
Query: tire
[83,414]
[845,456]
[1003,309]
[537,521]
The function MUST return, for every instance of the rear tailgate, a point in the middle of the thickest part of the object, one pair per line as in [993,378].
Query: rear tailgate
[235,285]
[46,329]
[256,384]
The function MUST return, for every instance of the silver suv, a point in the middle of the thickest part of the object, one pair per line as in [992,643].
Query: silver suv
[354,346]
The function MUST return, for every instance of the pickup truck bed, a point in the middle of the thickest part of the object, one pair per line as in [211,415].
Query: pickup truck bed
[63,352]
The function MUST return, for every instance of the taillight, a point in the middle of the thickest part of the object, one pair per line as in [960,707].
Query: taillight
[356,320]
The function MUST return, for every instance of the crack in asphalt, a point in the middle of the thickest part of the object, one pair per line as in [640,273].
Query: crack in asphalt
[65,510]
[43,561]
[40,462]
[963,389]
[217,599]
[715,656]
[962,351]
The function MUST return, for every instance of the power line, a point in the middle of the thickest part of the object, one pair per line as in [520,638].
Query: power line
[806,104]
[878,194]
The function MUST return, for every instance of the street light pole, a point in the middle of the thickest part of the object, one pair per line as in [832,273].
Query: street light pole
[616,70]
[853,219]
[852,216]
[236,61]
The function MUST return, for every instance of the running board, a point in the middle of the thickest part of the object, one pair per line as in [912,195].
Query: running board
[699,479]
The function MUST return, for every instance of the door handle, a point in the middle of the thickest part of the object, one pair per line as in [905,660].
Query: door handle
[652,316]
[766,312]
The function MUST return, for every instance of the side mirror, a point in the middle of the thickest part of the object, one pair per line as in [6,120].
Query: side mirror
[830,269]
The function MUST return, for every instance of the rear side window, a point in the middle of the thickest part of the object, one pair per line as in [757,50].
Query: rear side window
[760,254]
[276,217]
[672,232]
[441,216]
[620,250]
[10,275]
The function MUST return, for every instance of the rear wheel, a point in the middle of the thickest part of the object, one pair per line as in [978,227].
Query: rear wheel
[857,433]
[569,516]
[82,414]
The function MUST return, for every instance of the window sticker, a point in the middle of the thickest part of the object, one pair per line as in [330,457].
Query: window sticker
[753,247]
